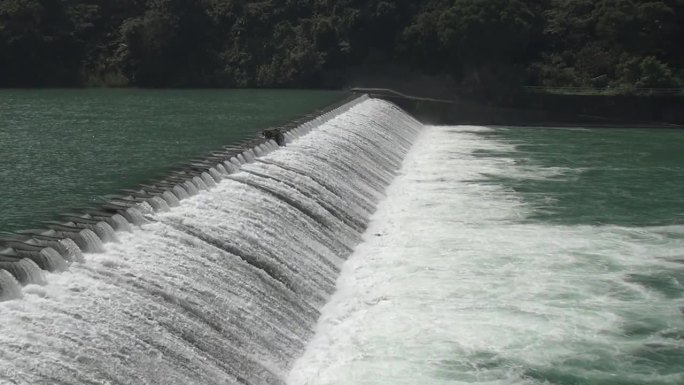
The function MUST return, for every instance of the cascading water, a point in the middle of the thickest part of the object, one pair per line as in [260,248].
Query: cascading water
[86,239]
[47,259]
[225,288]
[191,188]
[9,287]
[135,216]
[26,272]
[480,267]
[180,192]
[105,232]
[67,248]
[159,204]
[171,199]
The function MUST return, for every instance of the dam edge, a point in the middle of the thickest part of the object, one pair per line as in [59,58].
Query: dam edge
[531,109]
[26,254]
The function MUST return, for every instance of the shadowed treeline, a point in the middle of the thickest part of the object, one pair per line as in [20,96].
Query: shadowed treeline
[476,44]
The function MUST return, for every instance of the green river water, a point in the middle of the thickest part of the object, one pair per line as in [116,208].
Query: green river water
[63,149]
[625,189]
[630,177]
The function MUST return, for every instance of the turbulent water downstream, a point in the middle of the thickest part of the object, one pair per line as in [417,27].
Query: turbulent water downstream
[481,266]
[495,256]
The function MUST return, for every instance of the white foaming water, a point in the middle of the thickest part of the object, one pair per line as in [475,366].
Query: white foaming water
[225,288]
[452,286]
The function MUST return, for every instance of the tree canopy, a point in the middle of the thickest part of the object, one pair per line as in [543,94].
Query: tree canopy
[324,43]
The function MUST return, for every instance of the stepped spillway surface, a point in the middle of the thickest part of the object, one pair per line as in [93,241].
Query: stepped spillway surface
[477,268]
[226,287]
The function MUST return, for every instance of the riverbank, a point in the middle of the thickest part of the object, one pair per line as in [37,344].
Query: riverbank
[542,109]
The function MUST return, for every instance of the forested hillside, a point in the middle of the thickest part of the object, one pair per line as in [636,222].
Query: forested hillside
[324,43]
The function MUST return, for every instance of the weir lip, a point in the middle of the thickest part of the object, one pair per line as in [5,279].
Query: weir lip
[63,242]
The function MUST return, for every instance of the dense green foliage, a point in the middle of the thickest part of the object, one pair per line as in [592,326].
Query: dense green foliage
[326,43]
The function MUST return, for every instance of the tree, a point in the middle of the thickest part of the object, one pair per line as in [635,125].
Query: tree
[489,46]
[38,43]
[609,39]
[648,72]
[483,42]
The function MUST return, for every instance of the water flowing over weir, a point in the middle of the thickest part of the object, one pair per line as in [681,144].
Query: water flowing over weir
[226,287]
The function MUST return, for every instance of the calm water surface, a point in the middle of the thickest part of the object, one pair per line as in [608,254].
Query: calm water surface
[630,177]
[63,149]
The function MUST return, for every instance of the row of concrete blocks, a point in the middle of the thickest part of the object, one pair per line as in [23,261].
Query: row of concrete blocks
[26,255]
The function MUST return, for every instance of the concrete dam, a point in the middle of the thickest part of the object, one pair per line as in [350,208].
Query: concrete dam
[361,245]
[213,275]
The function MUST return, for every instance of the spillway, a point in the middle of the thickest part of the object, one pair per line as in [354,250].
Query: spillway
[224,288]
